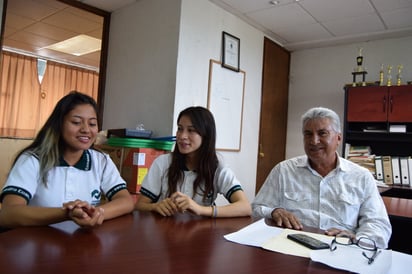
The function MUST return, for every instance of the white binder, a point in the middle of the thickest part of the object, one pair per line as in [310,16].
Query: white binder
[378,168]
[410,169]
[403,163]
[396,174]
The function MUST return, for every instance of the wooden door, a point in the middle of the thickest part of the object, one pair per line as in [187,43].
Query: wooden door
[274,109]
[367,104]
[400,104]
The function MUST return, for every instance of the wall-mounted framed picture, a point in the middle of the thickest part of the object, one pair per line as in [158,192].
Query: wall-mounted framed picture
[230,51]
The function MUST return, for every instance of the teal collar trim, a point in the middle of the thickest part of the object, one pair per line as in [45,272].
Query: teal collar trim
[84,163]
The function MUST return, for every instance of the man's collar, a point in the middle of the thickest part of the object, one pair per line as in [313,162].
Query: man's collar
[339,164]
[343,165]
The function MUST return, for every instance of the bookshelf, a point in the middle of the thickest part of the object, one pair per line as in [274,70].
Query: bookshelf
[370,114]
[379,117]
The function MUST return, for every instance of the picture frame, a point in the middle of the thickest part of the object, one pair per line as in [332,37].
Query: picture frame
[230,52]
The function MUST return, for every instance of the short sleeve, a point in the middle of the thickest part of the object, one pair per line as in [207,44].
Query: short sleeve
[23,178]
[226,182]
[111,181]
[155,181]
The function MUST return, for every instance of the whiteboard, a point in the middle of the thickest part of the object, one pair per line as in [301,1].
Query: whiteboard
[225,101]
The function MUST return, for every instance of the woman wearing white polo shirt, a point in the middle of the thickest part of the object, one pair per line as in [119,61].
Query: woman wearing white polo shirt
[59,177]
[190,178]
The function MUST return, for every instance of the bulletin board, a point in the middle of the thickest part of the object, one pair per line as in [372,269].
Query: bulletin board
[225,101]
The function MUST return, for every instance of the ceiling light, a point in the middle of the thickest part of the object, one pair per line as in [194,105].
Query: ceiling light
[277,2]
[78,45]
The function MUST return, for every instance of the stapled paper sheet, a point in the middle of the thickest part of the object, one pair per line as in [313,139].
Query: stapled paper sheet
[350,258]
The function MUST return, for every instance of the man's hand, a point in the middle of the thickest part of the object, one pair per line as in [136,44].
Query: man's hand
[286,219]
[339,232]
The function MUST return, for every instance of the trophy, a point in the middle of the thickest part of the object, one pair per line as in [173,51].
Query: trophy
[359,70]
[381,76]
[359,60]
[389,82]
[399,76]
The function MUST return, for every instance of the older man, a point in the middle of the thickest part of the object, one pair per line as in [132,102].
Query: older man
[321,189]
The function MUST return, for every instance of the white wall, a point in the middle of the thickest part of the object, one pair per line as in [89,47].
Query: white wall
[159,64]
[202,23]
[317,78]
[141,69]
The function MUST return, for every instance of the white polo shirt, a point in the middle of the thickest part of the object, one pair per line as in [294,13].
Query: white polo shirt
[93,175]
[155,183]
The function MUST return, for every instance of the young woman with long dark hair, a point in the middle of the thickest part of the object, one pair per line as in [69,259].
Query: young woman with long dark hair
[190,178]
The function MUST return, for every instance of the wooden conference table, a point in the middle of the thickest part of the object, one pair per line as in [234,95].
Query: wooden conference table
[398,206]
[143,243]
[400,216]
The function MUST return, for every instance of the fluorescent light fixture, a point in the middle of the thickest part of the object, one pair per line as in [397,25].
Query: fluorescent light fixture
[77,45]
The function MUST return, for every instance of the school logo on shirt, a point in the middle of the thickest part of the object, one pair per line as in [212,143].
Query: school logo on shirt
[96,197]
[96,194]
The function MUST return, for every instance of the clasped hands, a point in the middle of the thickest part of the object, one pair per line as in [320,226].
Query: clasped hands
[177,202]
[84,214]
[284,218]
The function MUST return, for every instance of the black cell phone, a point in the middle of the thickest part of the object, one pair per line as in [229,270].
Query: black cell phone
[308,241]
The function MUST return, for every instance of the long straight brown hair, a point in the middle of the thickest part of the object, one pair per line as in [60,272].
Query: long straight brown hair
[204,123]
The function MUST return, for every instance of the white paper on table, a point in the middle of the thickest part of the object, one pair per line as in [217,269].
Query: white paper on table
[259,234]
[350,258]
[401,262]
[255,234]
[282,244]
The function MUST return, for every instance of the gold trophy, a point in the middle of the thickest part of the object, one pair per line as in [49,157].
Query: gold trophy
[389,82]
[399,76]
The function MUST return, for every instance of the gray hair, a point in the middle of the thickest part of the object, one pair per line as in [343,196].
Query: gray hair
[319,113]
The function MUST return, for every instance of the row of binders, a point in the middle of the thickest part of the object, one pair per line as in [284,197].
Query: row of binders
[394,170]
[391,170]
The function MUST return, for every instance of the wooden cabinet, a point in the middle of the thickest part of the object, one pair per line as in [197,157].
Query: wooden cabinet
[400,104]
[366,104]
[379,104]
[369,114]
